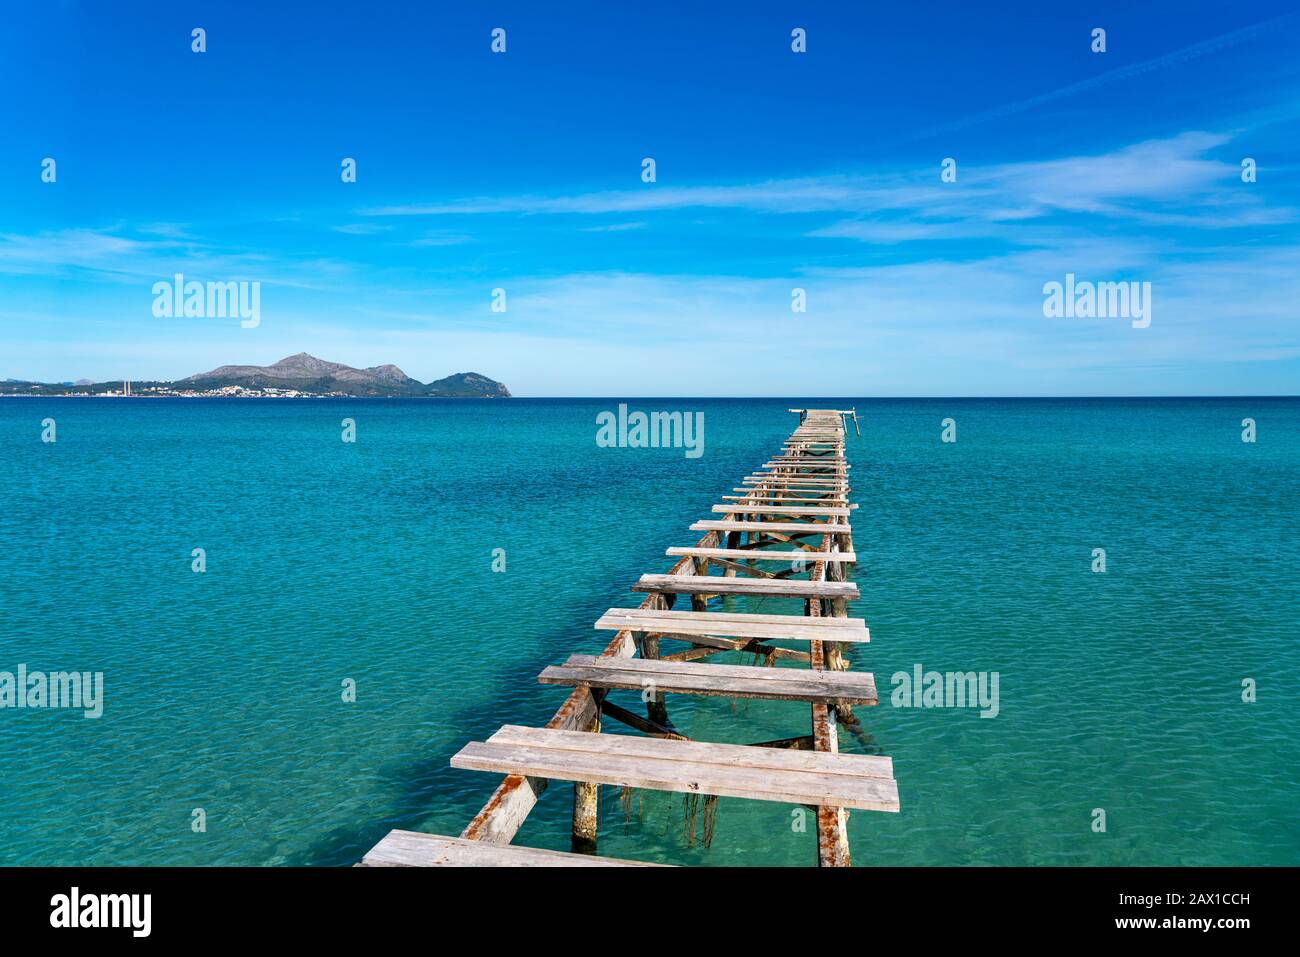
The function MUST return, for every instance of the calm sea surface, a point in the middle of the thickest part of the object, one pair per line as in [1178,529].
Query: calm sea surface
[372,561]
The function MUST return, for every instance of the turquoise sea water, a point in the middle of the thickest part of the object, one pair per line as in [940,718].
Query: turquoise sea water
[372,561]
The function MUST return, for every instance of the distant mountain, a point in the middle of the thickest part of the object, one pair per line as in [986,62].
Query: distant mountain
[467,384]
[300,373]
[306,373]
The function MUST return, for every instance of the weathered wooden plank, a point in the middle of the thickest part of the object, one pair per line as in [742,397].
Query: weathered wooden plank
[740,681]
[876,766]
[783,471]
[784,556]
[790,470]
[795,494]
[707,686]
[761,498]
[796,486]
[824,492]
[769,627]
[797,489]
[781,528]
[766,498]
[778,481]
[819,455]
[414,849]
[829,511]
[658,666]
[661,774]
[717,585]
[500,818]
[728,770]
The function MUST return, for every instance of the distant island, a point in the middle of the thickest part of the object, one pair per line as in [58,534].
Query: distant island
[300,376]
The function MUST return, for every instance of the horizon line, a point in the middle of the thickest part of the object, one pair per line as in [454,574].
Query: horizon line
[623,398]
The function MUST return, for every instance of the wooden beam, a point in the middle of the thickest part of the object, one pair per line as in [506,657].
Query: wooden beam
[644,725]
[413,849]
[795,627]
[712,680]
[691,767]
[499,820]
[752,554]
[717,585]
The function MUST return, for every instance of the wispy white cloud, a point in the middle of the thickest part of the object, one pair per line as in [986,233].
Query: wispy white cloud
[114,257]
[614,227]
[169,230]
[791,195]
[892,233]
[361,229]
[442,239]
[1169,182]
[1144,181]
[73,248]
[1178,168]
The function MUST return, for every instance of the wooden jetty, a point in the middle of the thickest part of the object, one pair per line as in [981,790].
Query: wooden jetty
[800,500]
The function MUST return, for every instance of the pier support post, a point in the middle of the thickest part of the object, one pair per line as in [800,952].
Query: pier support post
[733,541]
[655,706]
[586,805]
[832,822]
[839,606]
[700,602]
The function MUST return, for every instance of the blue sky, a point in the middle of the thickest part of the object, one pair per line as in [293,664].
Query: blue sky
[775,170]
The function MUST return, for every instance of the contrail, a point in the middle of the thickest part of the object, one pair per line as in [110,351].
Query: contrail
[1187,53]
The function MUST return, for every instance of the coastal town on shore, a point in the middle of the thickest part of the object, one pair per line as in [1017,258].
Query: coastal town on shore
[130,390]
[300,376]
